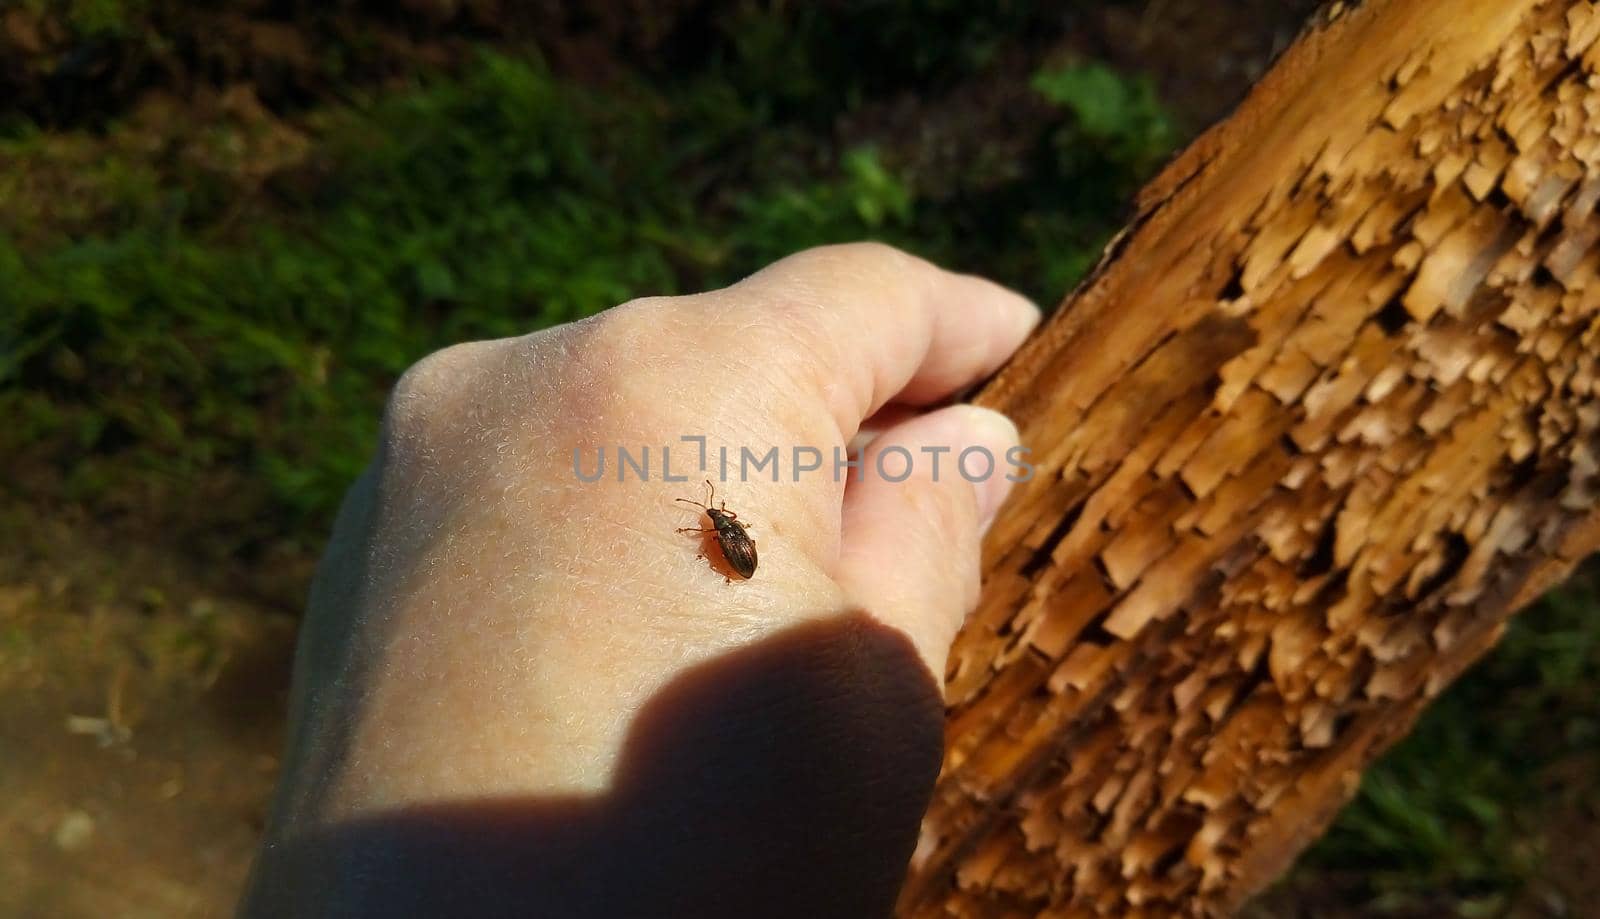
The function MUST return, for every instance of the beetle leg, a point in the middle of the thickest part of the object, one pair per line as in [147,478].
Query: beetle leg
[697,529]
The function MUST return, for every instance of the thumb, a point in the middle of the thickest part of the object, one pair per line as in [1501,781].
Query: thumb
[913,517]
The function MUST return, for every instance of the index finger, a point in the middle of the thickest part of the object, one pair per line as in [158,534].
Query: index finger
[876,324]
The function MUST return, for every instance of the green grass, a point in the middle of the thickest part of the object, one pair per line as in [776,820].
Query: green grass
[169,342]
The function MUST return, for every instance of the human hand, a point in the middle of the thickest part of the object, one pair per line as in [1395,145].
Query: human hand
[519,692]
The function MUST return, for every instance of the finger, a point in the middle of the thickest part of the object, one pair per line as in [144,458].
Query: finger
[910,548]
[875,323]
[883,419]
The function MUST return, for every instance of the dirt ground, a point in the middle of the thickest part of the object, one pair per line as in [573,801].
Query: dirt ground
[139,729]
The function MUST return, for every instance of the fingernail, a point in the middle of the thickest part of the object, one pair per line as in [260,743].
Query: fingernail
[996,433]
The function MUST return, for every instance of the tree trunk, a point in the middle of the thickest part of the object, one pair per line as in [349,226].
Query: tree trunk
[1323,418]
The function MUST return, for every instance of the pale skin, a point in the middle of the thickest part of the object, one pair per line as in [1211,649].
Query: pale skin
[504,666]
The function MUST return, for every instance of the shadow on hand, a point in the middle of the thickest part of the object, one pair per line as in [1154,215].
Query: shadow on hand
[787,778]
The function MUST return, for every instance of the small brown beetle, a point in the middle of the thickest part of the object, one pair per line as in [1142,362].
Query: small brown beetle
[737,546]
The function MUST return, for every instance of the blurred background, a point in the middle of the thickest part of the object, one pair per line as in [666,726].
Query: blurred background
[226,227]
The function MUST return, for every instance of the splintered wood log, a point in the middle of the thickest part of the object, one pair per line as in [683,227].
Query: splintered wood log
[1323,418]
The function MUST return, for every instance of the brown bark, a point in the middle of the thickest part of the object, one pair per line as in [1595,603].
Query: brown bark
[1324,417]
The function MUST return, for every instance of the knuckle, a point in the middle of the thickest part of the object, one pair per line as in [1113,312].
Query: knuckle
[637,328]
[424,385]
[879,252]
[619,363]
[856,259]
[867,250]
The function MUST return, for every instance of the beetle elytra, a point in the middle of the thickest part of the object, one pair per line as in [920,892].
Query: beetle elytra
[732,537]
